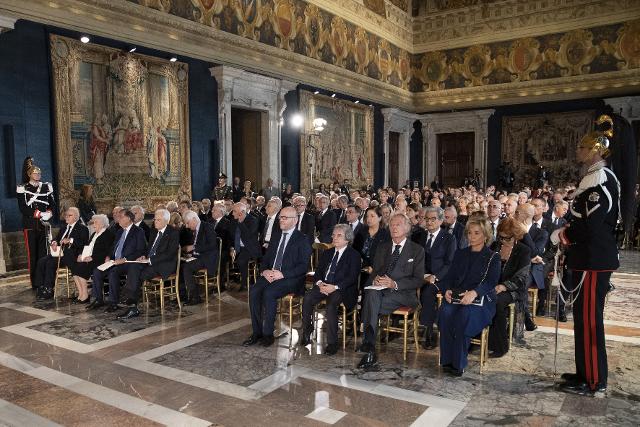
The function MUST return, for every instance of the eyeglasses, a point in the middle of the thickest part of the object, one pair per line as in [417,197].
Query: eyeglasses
[495,206]
[505,238]
[288,217]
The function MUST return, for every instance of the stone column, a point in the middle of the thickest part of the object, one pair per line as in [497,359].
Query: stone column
[399,121]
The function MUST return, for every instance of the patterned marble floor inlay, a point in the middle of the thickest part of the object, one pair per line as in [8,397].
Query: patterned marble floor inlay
[61,365]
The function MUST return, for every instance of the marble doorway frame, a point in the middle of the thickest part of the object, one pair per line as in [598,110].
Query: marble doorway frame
[475,121]
[396,120]
[242,89]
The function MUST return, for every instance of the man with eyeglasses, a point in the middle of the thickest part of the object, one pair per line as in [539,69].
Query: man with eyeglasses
[282,271]
[494,213]
[70,240]
[439,250]
[306,223]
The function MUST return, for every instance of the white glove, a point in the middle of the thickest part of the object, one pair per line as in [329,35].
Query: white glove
[45,216]
[555,236]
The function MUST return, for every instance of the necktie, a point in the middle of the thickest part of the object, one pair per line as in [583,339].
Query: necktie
[66,232]
[429,243]
[493,229]
[152,251]
[394,259]
[331,274]
[277,265]
[120,245]
[555,221]
[535,225]
[299,221]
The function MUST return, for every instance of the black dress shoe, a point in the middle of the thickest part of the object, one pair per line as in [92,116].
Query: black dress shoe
[496,355]
[95,305]
[530,326]
[267,341]
[111,309]
[365,347]
[82,301]
[430,339]
[583,389]
[570,376]
[130,313]
[562,318]
[331,349]
[368,360]
[253,339]
[456,372]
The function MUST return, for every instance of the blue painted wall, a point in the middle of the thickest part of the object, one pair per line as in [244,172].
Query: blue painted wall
[26,104]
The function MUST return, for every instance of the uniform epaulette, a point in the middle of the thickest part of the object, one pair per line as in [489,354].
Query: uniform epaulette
[20,189]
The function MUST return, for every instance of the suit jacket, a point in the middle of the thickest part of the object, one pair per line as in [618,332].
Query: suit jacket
[419,235]
[325,224]
[408,272]
[536,240]
[458,233]
[358,228]
[347,273]
[515,270]
[308,226]
[135,244]
[275,230]
[438,260]
[80,236]
[368,254]
[248,234]
[341,216]
[147,230]
[206,247]
[102,246]
[469,274]
[165,257]
[295,259]
[222,229]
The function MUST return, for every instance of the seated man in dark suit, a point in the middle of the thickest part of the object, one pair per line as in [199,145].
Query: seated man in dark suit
[306,221]
[205,252]
[325,220]
[245,240]
[222,227]
[282,272]
[438,255]
[72,239]
[454,227]
[398,269]
[129,244]
[270,227]
[336,281]
[162,259]
[138,213]
[353,219]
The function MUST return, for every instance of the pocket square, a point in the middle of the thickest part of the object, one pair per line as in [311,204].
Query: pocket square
[410,260]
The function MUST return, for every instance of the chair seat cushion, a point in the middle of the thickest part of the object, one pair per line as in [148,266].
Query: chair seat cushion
[404,310]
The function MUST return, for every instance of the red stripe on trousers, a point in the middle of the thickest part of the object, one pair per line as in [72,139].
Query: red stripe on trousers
[594,333]
[586,294]
[26,243]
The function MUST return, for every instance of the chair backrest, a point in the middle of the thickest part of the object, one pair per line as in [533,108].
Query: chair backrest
[178,268]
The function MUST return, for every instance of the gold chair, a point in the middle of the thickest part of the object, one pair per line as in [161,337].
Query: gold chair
[156,287]
[65,273]
[344,316]
[512,319]
[294,303]
[533,294]
[202,275]
[405,312]
[483,342]
[318,248]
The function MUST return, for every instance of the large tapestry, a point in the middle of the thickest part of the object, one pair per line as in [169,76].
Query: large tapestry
[121,124]
[548,140]
[343,149]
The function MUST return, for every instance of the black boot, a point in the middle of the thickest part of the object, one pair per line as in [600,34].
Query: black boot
[430,339]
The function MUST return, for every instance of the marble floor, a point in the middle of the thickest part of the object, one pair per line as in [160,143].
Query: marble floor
[61,365]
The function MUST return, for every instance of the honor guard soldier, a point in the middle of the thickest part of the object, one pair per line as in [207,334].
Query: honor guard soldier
[592,254]
[222,190]
[35,200]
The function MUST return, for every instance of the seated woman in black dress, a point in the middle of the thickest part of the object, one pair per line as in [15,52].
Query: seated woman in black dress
[515,258]
[473,276]
[100,245]
[370,237]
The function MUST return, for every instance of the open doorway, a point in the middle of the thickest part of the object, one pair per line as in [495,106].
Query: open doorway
[246,145]
[455,157]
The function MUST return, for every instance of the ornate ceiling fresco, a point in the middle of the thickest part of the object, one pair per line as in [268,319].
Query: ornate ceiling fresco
[344,46]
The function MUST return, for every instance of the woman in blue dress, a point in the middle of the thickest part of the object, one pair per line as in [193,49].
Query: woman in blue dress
[470,296]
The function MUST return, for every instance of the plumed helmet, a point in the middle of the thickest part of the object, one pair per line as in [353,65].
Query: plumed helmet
[598,140]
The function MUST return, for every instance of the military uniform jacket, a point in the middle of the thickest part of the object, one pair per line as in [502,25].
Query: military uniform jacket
[221,193]
[595,212]
[32,200]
